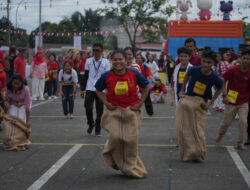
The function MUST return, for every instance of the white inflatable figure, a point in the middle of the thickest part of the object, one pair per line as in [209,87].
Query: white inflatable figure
[184,6]
[204,6]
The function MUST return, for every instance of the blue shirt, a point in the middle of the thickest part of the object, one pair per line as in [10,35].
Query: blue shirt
[200,85]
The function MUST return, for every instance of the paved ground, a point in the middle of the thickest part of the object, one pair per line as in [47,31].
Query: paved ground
[62,156]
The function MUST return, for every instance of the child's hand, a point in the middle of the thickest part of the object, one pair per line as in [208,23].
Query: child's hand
[110,106]
[136,107]
[60,93]
[28,124]
[225,100]
[181,94]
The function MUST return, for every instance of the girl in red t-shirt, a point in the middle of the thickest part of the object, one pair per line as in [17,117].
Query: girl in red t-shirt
[122,114]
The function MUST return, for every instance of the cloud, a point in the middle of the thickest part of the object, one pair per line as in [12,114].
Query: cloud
[29,18]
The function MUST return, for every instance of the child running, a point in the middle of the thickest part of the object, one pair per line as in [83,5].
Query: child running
[192,108]
[180,70]
[236,92]
[122,117]
[67,85]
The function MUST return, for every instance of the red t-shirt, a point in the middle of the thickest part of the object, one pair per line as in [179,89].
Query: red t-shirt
[2,77]
[238,81]
[20,66]
[145,72]
[194,60]
[52,67]
[82,65]
[159,89]
[1,55]
[121,90]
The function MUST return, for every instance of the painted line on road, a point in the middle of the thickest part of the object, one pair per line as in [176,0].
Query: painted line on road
[41,103]
[240,165]
[49,173]
[84,116]
[141,145]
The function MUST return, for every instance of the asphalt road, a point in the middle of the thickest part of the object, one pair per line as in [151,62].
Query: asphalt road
[63,156]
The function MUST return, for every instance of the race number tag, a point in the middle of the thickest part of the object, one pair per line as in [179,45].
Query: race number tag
[181,77]
[121,88]
[157,92]
[171,65]
[20,103]
[232,96]
[199,88]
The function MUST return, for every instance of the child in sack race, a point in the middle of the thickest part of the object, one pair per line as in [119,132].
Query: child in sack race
[122,117]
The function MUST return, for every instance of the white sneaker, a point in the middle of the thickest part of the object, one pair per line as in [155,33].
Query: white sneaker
[41,98]
[208,112]
[237,116]
[54,97]
[34,98]
[50,97]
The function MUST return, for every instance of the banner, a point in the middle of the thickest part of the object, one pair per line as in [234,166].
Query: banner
[77,43]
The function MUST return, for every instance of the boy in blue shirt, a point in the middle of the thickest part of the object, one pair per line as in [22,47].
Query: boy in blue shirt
[192,108]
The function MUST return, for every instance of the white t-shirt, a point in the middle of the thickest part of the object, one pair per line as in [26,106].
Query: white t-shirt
[96,69]
[68,78]
[153,68]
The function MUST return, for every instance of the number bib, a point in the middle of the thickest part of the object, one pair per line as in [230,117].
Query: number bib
[20,103]
[171,65]
[121,88]
[232,96]
[199,88]
[181,77]
[157,92]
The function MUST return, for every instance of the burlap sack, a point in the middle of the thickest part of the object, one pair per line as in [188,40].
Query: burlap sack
[16,133]
[190,123]
[120,151]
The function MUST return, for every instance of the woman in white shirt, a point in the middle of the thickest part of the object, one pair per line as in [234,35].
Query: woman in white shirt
[153,67]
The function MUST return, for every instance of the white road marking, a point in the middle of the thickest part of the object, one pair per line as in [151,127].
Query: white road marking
[49,173]
[41,103]
[240,165]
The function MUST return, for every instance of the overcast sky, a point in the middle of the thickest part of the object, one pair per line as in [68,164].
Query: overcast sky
[55,10]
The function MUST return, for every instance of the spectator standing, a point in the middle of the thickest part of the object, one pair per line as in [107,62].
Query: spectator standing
[94,68]
[52,72]
[20,64]
[38,73]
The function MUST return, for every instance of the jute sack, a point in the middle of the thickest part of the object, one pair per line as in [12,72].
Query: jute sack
[16,133]
[190,123]
[120,151]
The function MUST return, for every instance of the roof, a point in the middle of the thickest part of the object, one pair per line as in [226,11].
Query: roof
[227,29]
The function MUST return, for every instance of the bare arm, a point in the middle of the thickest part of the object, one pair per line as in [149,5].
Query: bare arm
[102,97]
[186,79]
[224,92]
[143,97]
[27,111]
[60,93]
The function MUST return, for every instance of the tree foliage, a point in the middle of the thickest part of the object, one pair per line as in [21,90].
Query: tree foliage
[90,22]
[18,39]
[246,29]
[135,13]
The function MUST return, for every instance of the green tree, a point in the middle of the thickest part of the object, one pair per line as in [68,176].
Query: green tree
[135,13]
[246,29]
[90,22]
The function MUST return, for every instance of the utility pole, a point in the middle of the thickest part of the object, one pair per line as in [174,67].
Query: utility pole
[39,38]
[40,15]
[8,20]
